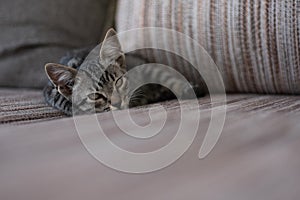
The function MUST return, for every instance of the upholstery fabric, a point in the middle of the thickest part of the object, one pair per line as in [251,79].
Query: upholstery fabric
[35,32]
[19,106]
[256,157]
[255,43]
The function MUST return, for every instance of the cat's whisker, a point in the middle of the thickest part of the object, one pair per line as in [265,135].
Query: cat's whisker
[135,98]
[112,108]
[107,109]
[138,94]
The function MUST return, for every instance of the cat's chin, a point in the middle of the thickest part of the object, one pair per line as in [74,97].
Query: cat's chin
[113,108]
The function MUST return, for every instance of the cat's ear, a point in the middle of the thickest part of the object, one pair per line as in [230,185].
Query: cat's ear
[111,50]
[62,77]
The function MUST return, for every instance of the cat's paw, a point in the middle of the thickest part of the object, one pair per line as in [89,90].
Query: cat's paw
[75,62]
[76,57]
[71,61]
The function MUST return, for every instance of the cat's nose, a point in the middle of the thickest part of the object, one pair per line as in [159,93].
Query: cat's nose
[116,101]
[116,104]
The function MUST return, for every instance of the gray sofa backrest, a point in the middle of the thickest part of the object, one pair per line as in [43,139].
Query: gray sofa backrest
[34,32]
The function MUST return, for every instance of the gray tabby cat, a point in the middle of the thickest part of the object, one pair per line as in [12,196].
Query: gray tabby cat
[100,84]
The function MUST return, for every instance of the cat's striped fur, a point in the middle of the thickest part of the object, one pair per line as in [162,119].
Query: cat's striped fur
[52,96]
[97,78]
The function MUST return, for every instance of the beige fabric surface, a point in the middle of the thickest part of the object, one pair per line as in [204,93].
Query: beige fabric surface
[255,43]
[257,156]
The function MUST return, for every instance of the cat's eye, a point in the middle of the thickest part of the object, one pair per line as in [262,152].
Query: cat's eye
[96,97]
[119,82]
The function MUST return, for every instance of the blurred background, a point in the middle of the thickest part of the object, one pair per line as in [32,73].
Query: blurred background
[35,32]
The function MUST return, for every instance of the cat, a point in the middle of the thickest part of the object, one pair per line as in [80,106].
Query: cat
[100,84]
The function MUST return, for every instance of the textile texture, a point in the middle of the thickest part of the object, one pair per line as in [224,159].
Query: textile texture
[256,157]
[19,106]
[35,32]
[255,43]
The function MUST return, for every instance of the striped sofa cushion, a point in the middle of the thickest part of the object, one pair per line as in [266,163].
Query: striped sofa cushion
[255,43]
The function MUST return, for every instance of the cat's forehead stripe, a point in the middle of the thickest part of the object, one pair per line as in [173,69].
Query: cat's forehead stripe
[93,69]
[112,77]
[100,84]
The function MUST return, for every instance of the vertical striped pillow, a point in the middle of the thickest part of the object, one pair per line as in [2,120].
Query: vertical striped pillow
[255,43]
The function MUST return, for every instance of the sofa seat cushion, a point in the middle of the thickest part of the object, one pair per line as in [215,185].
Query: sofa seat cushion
[256,157]
[21,106]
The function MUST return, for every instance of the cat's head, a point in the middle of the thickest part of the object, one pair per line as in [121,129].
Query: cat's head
[102,86]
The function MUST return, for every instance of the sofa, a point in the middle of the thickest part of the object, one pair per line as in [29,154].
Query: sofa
[255,46]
